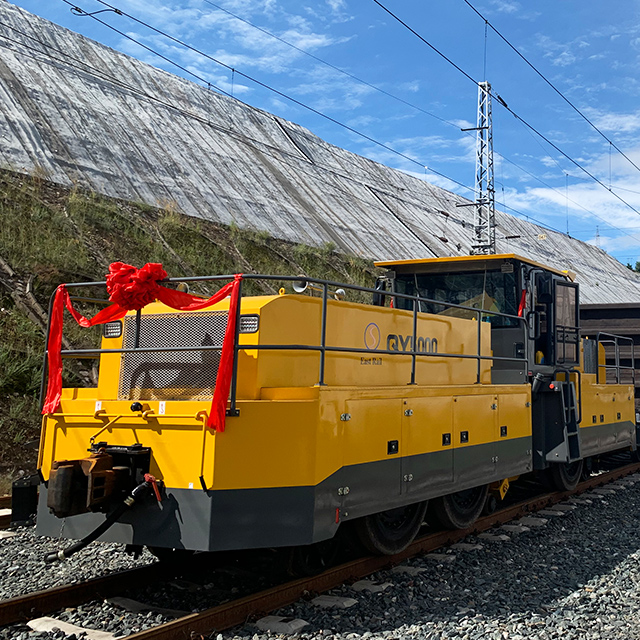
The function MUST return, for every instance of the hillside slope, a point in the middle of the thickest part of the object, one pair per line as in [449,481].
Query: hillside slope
[84,114]
[50,234]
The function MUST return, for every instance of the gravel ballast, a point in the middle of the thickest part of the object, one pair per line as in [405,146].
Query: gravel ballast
[576,577]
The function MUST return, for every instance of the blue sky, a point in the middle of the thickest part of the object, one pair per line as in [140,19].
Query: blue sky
[589,50]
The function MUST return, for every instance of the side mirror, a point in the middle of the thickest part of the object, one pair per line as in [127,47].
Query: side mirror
[379,298]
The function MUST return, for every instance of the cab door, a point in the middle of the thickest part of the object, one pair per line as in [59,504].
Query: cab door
[566,324]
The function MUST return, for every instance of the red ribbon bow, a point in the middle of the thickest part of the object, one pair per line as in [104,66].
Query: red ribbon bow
[131,289]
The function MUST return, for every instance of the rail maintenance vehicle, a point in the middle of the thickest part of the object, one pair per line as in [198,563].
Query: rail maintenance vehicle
[243,422]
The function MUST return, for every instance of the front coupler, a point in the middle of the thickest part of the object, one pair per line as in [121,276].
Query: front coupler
[96,482]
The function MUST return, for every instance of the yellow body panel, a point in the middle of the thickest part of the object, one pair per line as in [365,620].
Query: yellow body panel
[514,412]
[372,424]
[606,403]
[475,415]
[422,431]
[288,442]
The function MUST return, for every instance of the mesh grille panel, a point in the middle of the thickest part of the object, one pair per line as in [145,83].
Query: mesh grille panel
[182,375]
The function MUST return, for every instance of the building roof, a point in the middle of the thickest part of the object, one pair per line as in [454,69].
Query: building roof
[80,113]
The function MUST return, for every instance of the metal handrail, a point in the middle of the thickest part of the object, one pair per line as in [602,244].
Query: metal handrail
[568,373]
[323,348]
[565,331]
[617,367]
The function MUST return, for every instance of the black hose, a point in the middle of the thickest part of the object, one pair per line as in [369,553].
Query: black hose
[142,489]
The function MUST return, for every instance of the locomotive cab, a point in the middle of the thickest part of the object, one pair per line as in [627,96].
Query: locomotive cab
[535,308]
[482,283]
[535,340]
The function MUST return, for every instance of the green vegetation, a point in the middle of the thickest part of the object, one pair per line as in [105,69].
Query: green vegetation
[51,234]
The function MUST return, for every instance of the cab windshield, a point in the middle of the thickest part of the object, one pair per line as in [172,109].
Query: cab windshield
[489,290]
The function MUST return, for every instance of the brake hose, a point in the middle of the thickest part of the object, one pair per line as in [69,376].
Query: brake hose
[149,485]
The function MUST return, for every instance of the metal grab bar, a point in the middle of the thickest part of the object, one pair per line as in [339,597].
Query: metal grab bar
[567,373]
[612,339]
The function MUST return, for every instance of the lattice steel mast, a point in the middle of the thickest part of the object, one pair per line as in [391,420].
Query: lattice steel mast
[485,201]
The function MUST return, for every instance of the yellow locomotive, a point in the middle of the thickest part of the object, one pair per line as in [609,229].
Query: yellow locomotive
[462,374]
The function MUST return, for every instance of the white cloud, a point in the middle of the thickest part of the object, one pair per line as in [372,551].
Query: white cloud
[506,6]
[463,124]
[561,54]
[620,122]
[336,5]
[413,86]
[362,121]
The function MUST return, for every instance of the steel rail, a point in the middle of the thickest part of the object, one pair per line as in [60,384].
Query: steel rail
[35,604]
[239,611]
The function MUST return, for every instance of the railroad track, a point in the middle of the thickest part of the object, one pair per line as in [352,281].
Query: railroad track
[32,605]
[238,611]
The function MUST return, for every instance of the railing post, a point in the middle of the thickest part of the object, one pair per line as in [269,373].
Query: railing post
[414,345]
[136,342]
[479,347]
[232,410]
[323,335]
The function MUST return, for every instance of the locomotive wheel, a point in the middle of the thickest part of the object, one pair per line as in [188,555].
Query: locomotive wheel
[392,531]
[460,510]
[565,476]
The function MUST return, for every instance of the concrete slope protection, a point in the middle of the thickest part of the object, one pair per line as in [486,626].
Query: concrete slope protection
[79,113]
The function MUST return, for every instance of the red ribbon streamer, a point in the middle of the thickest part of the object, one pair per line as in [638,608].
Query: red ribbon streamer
[131,289]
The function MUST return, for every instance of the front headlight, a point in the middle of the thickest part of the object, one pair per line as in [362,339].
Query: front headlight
[112,329]
[249,324]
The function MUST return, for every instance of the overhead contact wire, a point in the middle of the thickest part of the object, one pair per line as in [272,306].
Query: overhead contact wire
[541,75]
[504,104]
